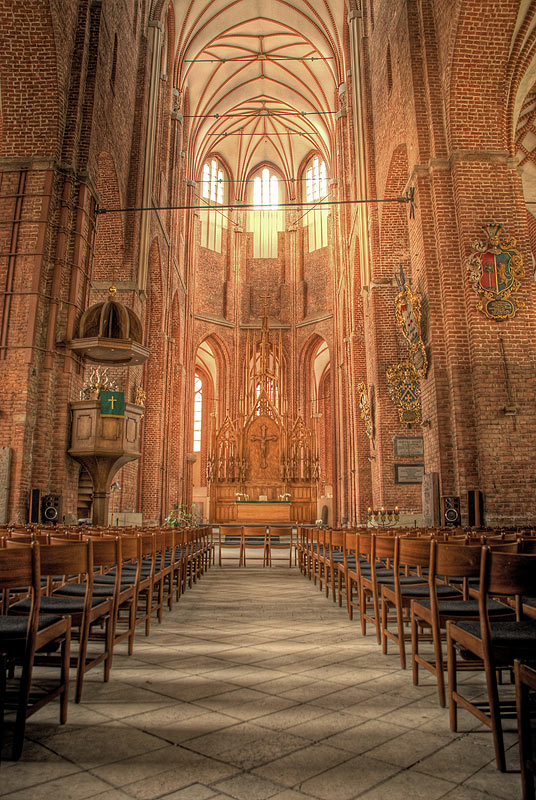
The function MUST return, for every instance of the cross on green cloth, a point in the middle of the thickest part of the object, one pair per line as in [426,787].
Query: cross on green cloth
[112,404]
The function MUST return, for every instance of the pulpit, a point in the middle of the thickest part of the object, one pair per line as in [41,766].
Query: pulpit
[103,444]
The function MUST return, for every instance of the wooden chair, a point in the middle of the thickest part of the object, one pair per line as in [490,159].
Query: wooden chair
[21,640]
[494,645]
[409,555]
[281,540]
[335,567]
[450,561]
[255,540]
[231,537]
[88,610]
[375,553]
[351,572]
[525,678]
[127,598]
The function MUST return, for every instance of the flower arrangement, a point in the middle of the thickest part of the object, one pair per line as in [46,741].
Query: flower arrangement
[96,381]
[285,496]
[179,516]
[318,523]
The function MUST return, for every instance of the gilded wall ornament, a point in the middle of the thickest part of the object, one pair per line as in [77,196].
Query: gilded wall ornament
[405,391]
[364,408]
[408,316]
[495,268]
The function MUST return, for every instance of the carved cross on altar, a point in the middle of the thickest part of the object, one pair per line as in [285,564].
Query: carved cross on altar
[263,440]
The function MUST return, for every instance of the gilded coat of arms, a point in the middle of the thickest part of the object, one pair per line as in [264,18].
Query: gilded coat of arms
[495,268]
[408,317]
[364,408]
[405,391]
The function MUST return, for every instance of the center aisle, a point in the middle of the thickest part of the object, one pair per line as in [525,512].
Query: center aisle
[256,686]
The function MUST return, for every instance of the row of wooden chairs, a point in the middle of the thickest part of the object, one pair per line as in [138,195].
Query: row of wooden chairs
[95,589]
[472,591]
[266,540]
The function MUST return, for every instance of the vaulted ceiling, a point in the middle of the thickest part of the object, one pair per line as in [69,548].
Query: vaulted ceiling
[262,78]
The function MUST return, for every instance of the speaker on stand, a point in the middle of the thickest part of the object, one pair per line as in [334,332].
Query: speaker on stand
[450,511]
[51,508]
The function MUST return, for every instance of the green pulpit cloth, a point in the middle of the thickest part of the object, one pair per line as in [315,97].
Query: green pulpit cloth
[112,404]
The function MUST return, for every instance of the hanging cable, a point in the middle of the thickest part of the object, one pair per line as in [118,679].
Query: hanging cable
[407,198]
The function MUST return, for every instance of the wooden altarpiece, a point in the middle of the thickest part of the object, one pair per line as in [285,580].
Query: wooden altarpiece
[263,465]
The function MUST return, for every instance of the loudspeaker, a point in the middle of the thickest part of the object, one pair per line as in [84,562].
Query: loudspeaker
[475,508]
[34,510]
[450,511]
[51,508]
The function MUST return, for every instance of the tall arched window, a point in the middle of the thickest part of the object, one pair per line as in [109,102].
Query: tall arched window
[198,413]
[266,218]
[213,221]
[316,190]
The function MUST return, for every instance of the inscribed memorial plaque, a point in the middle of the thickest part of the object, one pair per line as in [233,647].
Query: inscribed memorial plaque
[409,473]
[409,446]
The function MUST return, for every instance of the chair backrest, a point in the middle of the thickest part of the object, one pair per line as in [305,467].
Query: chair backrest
[365,544]
[19,566]
[507,574]
[454,559]
[411,552]
[383,546]
[231,530]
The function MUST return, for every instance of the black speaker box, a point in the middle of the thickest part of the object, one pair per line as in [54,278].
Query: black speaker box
[475,508]
[51,508]
[34,510]
[450,511]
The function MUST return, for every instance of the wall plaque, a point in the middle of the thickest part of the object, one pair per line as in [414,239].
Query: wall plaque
[409,473]
[409,446]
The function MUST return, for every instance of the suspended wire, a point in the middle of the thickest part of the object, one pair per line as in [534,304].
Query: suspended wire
[255,59]
[216,208]
[255,114]
[407,198]
[299,219]
[260,133]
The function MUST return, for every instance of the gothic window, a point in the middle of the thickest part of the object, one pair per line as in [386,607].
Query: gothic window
[265,218]
[316,190]
[213,221]
[198,413]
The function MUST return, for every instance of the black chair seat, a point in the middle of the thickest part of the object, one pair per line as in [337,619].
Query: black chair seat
[110,579]
[79,590]
[58,605]
[14,627]
[408,579]
[423,590]
[506,634]
[464,607]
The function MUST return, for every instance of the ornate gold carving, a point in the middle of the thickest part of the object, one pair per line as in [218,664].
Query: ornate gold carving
[495,270]
[364,408]
[405,391]
[408,316]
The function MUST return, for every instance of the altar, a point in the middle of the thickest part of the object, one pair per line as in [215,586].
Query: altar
[262,511]
[262,464]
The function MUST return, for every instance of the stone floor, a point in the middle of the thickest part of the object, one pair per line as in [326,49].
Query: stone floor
[254,687]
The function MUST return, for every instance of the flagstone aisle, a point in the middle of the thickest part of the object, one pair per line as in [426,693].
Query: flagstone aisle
[254,687]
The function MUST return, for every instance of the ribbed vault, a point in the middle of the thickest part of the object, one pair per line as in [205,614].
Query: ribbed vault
[261,78]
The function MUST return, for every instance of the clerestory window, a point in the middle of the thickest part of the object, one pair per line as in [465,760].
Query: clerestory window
[316,190]
[213,221]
